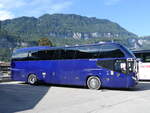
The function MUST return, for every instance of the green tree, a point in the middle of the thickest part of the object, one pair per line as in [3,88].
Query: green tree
[44,42]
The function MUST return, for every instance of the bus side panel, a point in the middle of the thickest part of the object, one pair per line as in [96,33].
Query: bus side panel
[113,79]
[69,72]
[53,75]
[76,72]
[109,78]
[66,72]
[19,70]
[132,80]
[72,72]
[45,70]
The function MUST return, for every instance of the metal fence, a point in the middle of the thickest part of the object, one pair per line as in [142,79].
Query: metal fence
[5,69]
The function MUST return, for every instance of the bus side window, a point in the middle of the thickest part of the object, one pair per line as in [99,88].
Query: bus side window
[111,51]
[41,55]
[69,53]
[89,52]
[109,64]
[32,55]
[56,54]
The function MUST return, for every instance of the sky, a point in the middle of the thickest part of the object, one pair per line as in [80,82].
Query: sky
[133,15]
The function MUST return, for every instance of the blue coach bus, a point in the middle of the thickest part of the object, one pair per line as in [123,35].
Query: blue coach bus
[95,66]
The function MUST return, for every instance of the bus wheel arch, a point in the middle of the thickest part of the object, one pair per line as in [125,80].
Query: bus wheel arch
[93,82]
[32,79]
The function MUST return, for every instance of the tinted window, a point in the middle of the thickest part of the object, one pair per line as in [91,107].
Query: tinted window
[109,64]
[45,55]
[111,51]
[80,52]
[68,53]
[115,65]
[87,52]
[98,51]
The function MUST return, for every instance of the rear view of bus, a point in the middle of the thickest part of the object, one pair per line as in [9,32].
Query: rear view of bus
[95,66]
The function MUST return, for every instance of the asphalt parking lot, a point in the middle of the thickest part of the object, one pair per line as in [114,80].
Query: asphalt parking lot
[23,98]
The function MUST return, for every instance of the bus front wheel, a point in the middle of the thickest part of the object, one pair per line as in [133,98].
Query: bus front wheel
[32,79]
[93,82]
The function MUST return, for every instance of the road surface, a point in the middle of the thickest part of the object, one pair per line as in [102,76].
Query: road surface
[23,98]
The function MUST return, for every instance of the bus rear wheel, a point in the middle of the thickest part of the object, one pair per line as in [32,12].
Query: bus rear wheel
[32,79]
[93,82]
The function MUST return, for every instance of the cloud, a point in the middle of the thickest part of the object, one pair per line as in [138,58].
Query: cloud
[14,8]
[38,8]
[11,4]
[6,15]
[6,7]
[111,2]
[61,6]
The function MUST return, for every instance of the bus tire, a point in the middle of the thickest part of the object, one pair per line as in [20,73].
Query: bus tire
[32,79]
[93,82]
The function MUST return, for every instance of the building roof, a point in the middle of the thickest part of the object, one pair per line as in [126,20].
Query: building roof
[141,51]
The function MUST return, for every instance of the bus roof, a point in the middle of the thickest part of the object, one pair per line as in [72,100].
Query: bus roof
[48,47]
[127,52]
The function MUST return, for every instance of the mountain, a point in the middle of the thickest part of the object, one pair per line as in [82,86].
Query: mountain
[140,43]
[61,29]
[64,26]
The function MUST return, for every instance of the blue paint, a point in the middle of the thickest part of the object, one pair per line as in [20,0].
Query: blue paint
[72,71]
